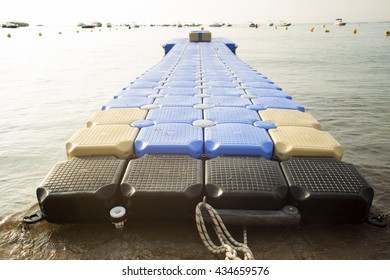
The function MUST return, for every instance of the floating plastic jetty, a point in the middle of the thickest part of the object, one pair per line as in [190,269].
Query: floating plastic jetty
[202,124]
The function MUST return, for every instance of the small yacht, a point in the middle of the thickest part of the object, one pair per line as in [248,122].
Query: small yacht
[217,24]
[284,24]
[339,22]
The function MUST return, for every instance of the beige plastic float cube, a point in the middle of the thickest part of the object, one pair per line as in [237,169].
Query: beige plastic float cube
[281,117]
[117,116]
[304,142]
[115,140]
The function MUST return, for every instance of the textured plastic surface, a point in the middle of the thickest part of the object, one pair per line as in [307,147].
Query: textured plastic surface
[170,138]
[328,190]
[175,101]
[116,116]
[261,85]
[128,102]
[174,115]
[245,183]
[163,185]
[277,103]
[187,91]
[237,139]
[231,115]
[188,84]
[263,92]
[227,101]
[215,91]
[282,117]
[115,140]
[142,84]
[136,92]
[222,84]
[304,141]
[81,189]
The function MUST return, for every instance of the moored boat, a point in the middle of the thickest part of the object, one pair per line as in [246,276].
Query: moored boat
[339,22]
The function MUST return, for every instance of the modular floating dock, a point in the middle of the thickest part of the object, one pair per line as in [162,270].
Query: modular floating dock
[203,124]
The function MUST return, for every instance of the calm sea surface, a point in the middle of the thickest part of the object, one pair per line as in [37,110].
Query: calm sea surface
[51,84]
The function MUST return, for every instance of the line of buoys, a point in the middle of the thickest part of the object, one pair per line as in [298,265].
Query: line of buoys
[9,35]
[323,25]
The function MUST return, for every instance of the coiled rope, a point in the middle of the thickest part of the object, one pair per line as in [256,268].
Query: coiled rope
[229,246]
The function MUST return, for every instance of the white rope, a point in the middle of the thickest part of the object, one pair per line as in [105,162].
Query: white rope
[229,246]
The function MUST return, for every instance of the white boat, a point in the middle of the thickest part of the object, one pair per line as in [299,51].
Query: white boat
[339,22]
[90,24]
[217,24]
[14,24]
[282,23]
[10,25]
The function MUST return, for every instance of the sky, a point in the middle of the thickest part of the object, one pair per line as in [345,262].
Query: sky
[199,11]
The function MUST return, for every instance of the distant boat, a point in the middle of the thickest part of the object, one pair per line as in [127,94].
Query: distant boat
[90,25]
[109,25]
[14,24]
[217,24]
[270,23]
[339,22]
[284,24]
[10,25]
[97,24]
[252,24]
[193,25]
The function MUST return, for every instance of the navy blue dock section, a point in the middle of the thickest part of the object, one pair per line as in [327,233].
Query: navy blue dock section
[202,123]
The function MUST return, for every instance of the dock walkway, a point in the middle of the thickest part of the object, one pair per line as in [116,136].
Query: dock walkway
[202,123]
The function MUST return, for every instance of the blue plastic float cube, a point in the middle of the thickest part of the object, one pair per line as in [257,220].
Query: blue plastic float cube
[177,101]
[223,77]
[277,103]
[228,101]
[223,84]
[176,83]
[170,138]
[187,91]
[261,85]
[142,84]
[237,139]
[264,92]
[231,115]
[254,78]
[145,92]
[219,91]
[128,102]
[175,115]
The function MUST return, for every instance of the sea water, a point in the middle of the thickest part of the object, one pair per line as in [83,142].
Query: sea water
[53,78]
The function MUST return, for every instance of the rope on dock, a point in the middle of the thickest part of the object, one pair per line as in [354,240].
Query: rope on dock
[229,246]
